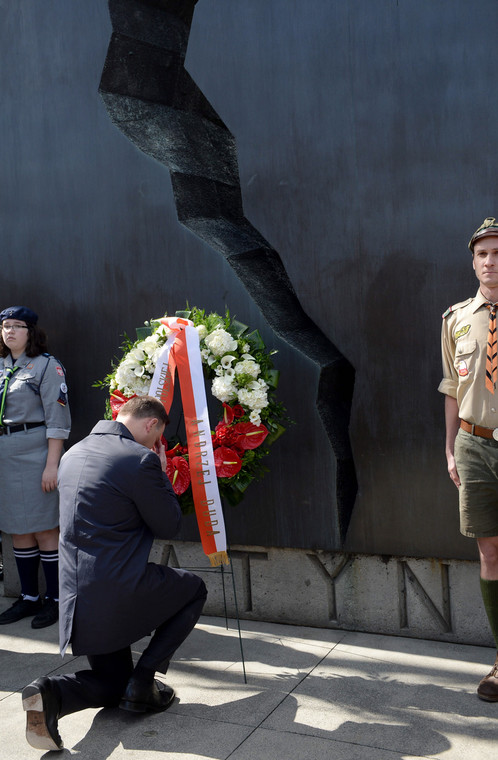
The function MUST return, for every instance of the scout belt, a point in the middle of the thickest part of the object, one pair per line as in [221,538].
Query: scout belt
[482,432]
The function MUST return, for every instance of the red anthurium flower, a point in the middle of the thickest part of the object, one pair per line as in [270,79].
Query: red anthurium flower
[116,401]
[250,436]
[227,462]
[178,472]
[174,451]
[227,414]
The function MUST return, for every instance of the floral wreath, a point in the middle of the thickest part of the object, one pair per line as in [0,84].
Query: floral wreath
[242,378]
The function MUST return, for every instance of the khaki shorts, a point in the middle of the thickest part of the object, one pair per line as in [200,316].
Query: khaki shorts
[477,464]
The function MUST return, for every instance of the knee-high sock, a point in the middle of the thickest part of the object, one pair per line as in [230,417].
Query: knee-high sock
[27,561]
[50,564]
[489,591]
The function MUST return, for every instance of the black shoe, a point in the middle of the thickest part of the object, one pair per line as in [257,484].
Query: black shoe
[141,697]
[20,609]
[48,615]
[42,703]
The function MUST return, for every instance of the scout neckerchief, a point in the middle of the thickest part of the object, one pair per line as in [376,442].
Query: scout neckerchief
[491,355]
[8,374]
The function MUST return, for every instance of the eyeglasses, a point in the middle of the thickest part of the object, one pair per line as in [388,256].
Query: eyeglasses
[7,328]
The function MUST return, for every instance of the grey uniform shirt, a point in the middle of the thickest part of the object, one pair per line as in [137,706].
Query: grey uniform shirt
[37,392]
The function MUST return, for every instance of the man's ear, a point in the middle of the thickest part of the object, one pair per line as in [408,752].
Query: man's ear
[151,423]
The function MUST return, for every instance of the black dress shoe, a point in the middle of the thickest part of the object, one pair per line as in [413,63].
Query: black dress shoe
[48,615]
[42,702]
[141,697]
[20,609]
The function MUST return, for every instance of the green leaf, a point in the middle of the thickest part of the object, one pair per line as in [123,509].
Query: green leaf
[238,328]
[255,340]
[143,332]
[272,377]
[274,436]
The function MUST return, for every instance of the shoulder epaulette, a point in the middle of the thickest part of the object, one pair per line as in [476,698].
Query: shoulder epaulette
[456,306]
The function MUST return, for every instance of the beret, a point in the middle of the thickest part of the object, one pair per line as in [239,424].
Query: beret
[19,312]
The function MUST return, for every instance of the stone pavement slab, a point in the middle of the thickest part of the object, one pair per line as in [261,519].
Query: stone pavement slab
[310,694]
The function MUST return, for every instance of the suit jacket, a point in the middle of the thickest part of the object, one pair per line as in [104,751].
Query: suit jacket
[114,498]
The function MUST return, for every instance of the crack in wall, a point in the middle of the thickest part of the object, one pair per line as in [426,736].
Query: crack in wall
[152,99]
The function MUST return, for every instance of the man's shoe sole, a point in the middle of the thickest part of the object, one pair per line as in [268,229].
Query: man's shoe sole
[37,733]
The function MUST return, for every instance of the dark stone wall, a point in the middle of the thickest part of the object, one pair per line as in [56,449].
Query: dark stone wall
[366,155]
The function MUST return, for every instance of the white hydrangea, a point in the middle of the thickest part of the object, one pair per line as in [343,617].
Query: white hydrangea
[223,389]
[220,342]
[202,330]
[247,367]
[254,397]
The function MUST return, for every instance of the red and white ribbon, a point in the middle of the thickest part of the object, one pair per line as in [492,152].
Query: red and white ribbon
[182,353]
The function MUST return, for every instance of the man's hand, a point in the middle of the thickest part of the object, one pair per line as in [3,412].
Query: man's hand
[161,453]
[453,470]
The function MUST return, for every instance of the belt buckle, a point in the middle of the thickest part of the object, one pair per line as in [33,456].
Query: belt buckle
[495,434]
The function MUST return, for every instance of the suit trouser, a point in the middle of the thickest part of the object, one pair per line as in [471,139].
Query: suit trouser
[104,684]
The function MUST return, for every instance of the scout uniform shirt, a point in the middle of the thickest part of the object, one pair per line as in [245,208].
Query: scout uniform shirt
[37,392]
[464,339]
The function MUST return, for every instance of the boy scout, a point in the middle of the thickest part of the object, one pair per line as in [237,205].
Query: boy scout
[469,350]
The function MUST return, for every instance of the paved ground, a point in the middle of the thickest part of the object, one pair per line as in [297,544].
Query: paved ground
[311,694]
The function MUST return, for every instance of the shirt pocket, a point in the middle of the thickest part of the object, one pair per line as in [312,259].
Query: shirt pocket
[466,355]
[24,381]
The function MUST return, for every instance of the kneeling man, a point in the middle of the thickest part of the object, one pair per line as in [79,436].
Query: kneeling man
[114,499]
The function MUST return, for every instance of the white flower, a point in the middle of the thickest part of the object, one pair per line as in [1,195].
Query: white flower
[202,330]
[254,399]
[205,353]
[229,372]
[246,347]
[219,370]
[255,418]
[247,367]
[223,389]
[227,360]
[220,342]
[136,353]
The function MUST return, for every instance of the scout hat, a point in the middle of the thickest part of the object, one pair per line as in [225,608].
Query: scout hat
[488,227]
[19,312]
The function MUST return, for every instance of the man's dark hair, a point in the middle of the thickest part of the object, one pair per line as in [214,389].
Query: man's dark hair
[37,343]
[145,406]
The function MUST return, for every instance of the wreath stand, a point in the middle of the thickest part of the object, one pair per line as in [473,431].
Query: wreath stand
[221,570]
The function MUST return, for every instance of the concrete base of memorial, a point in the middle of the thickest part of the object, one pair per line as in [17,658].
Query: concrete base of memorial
[403,596]
[421,598]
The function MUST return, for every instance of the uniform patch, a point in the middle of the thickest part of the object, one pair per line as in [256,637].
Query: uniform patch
[463,370]
[59,371]
[462,331]
[30,365]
